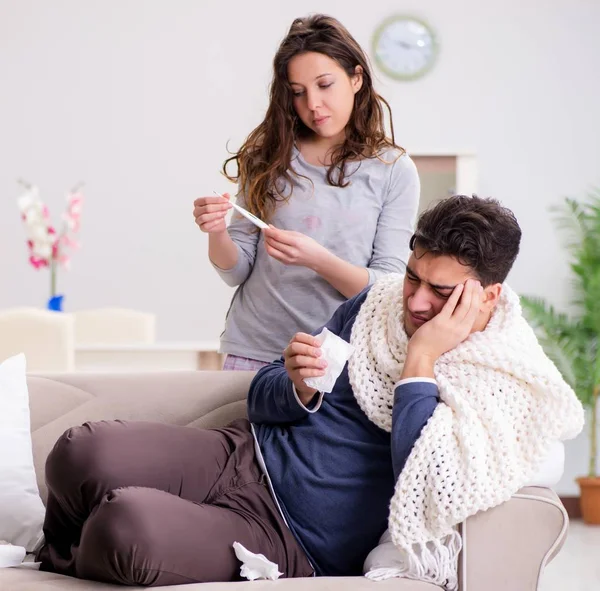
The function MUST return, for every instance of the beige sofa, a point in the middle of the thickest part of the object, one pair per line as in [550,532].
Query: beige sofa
[505,549]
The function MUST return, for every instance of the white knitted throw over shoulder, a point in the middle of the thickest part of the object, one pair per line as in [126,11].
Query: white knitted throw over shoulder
[504,403]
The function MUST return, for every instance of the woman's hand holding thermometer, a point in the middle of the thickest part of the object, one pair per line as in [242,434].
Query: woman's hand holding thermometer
[246,214]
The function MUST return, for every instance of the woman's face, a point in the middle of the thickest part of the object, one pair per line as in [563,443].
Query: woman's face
[323,93]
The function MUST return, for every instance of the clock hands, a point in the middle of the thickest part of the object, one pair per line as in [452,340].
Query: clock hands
[404,44]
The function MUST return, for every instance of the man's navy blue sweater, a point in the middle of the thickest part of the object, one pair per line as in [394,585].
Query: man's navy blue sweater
[332,469]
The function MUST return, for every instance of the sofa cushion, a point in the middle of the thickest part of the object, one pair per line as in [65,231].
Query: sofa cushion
[18,579]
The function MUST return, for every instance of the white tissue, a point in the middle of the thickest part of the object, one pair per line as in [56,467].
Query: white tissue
[336,351]
[255,566]
[11,555]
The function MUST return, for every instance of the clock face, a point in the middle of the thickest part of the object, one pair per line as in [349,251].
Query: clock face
[405,47]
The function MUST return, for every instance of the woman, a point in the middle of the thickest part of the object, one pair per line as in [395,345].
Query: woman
[339,195]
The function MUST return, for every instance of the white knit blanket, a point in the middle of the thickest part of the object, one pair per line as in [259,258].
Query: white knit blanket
[504,403]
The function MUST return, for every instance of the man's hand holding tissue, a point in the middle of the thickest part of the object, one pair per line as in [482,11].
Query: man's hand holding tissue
[303,360]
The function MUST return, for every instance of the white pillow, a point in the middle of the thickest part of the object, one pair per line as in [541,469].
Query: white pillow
[21,509]
[551,469]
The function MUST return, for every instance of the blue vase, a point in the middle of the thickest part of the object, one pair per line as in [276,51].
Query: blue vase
[55,303]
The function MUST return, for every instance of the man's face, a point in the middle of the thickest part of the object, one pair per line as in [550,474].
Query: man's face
[428,283]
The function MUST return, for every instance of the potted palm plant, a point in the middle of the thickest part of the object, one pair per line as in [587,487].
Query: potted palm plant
[573,341]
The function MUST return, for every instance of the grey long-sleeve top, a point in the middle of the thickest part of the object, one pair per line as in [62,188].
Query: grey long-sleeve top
[368,223]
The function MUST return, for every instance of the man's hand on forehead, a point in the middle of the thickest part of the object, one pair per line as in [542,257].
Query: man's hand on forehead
[446,330]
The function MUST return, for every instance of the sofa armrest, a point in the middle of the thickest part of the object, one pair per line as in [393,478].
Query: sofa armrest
[507,547]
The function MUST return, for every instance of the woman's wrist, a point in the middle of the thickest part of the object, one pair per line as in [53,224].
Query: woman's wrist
[323,261]
[222,251]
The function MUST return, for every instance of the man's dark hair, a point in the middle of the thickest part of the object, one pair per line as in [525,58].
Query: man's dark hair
[479,232]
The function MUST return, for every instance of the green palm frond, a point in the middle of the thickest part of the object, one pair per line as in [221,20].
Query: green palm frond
[591,301]
[572,219]
[543,314]
[573,343]
[584,369]
[593,201]
[555,334]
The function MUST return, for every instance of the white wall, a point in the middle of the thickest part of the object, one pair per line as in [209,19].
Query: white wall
[139,97]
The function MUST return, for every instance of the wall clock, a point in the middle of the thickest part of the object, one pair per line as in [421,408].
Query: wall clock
[405,47]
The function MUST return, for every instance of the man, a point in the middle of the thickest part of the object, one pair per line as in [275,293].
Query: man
[329,464]
[309,483]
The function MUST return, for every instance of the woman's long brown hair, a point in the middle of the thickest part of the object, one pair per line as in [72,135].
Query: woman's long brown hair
[263,161]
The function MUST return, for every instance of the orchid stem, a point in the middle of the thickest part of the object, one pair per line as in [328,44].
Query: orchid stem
[52,277]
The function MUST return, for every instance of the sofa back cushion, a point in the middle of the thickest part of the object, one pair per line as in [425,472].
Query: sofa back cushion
[190,398]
